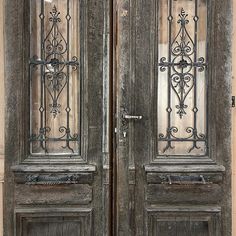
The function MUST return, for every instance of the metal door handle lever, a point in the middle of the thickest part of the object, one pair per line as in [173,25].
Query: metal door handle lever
[130,117]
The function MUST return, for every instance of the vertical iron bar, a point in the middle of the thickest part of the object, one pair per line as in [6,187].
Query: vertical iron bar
[170,18]
[195,71]
[44,82]
[68,75]
[42,96]
[55,32]
[182,73]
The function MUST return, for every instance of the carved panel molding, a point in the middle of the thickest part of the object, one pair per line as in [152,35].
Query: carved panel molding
[184,221]
[73,222]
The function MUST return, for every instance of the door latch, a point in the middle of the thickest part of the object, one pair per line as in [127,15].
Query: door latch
[233,101]
[131,117]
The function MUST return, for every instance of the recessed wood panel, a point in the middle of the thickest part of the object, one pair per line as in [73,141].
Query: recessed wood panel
[59,228]
[72,194]
[183,222]
[181,228]
[162,193]
[54,222]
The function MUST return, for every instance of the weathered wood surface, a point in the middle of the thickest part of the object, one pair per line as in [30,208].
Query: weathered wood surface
[184,168]
[75,194]
[137,50]
[184,178]
[184,194]
[54,168]
[178,220]
[64,182]
[54,221]
[138,166]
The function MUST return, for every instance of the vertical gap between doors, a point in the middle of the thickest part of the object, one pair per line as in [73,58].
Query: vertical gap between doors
[112,118]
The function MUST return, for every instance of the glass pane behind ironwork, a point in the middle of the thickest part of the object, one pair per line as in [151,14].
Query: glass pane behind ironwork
[54,77]
[182,81]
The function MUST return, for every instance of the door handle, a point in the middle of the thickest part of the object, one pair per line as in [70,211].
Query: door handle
[191,180]
[132,117]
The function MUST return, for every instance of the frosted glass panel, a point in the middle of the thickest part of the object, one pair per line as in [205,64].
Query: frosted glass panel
[182,81]
[54,76]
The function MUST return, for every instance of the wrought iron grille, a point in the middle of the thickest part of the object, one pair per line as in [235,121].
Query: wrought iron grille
[54,65]
[182,66]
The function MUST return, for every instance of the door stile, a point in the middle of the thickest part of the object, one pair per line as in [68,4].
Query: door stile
[108,133]
[112,114]
[122,162]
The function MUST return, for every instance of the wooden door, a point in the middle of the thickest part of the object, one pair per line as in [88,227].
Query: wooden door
[171,136]
[174,122]
[56,118]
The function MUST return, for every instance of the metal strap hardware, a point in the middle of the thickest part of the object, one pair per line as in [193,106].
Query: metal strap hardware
[189,180]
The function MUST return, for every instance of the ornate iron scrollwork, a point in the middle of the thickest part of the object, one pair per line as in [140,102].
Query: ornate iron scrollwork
[182,66]
[55,66]
[50,179]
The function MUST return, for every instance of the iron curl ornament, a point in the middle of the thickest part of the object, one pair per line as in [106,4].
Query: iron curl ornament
[182,65]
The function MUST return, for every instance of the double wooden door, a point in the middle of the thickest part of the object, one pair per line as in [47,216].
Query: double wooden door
[117,118]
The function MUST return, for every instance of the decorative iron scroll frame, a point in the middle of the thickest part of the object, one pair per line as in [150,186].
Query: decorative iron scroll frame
[55,65]
[181,79]
[58,179]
